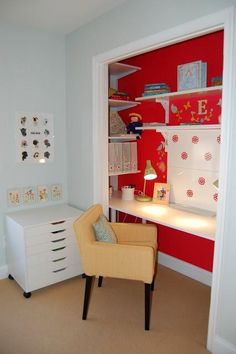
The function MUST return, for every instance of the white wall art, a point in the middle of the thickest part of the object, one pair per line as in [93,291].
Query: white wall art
[193,159]
[34,137]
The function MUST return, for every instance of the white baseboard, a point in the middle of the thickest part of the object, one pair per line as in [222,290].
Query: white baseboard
[3,272]
[221,346]
[185,268]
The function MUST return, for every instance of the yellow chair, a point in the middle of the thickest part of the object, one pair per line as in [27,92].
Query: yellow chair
[132,257]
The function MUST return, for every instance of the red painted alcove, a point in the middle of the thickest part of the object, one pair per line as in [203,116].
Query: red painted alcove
[161,66]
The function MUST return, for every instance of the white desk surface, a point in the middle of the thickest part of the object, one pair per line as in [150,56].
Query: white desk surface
[199,225]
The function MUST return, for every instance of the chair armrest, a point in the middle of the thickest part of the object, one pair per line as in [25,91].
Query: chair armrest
[135,232]
[120,261]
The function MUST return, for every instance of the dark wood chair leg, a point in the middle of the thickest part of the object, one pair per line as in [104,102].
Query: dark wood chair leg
[87,292]
[147,305]
[100,279]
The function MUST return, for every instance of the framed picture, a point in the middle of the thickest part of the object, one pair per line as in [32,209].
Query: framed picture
[29,195]
[161,193]
[56,192]
[42,194]
[14,197]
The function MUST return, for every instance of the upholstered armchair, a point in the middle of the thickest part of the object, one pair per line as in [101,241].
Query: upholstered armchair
[132,256]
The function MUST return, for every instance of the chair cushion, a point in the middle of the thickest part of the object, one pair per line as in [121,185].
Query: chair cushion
[103,231]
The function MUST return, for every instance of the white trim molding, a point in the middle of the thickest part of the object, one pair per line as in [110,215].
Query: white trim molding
[221,346]
[185,268]
[220,20]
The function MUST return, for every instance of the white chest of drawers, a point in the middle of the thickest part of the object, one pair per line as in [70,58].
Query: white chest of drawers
[41,246]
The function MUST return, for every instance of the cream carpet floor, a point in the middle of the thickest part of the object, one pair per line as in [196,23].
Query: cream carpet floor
[50,321]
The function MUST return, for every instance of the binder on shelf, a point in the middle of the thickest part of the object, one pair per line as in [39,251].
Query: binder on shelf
[122,157]
[126,157]
[133,156]
[118,157]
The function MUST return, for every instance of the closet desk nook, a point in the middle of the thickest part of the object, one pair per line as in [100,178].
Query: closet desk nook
[192,223]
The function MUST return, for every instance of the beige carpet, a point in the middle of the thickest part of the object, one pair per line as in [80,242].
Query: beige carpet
[50,321]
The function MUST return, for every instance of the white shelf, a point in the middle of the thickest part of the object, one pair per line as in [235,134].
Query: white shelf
[122,173]
[189,93]
[119,105]
[119,70]
[124,137]
[165,128]
[164,98]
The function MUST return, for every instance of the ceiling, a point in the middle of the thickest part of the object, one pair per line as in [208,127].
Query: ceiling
[59,16]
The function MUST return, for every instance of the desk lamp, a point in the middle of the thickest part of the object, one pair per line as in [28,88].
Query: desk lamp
[149,174]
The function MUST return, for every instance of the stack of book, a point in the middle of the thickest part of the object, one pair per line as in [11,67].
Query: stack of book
[216,81]
[155,89]
[120,95]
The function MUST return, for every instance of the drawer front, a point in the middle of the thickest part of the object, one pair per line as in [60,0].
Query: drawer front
[39,279]
[51,246]
[69,253]
[47,233]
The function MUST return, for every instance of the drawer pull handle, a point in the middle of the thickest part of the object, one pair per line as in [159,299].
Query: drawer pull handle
[58,249]
[59,270]
[57,222]
[59,259]
[58,231]
[59,239]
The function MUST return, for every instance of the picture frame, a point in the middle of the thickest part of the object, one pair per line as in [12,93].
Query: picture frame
[14,197]
[161,193]
[42,193]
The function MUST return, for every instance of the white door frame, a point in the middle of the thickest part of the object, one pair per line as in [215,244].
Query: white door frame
[220,20]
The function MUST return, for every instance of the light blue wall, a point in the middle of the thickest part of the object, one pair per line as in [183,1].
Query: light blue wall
[131,21]
[32,79]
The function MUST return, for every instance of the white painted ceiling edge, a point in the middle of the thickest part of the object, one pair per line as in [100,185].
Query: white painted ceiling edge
[58,16]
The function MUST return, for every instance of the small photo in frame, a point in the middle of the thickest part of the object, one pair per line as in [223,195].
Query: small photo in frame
[56,192]
[14,197]
[161,193]
[29,195]
[42,194]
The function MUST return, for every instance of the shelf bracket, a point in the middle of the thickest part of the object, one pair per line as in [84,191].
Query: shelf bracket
[165,105]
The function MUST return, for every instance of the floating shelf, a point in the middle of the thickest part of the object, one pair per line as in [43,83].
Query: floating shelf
[119,105]
[119,70]
[165,128]
[125,137]
[188,93]
[122,173]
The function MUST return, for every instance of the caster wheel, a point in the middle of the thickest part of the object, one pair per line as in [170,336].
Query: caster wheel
[27,295]
[10,277]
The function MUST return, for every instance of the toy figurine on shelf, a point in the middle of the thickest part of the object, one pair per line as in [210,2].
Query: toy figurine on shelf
[134,124]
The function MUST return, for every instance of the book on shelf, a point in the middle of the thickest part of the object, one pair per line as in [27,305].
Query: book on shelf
[155,89]
[191,75]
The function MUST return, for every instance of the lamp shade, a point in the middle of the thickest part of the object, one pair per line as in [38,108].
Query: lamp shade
[149,172]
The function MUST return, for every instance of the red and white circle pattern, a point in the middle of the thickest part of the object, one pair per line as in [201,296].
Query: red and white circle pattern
[201,181]
[218,139]
[215,197]
[175,138]
[189,193]
[208,156]
[195,139]
[184,155]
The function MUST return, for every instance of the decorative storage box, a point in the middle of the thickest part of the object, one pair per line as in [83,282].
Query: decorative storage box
[191,75]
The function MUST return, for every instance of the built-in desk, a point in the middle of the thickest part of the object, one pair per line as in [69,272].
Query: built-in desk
[199,225]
